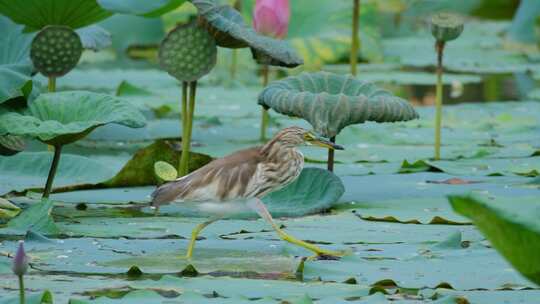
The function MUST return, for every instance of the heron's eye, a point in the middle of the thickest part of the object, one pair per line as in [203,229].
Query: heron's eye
[308,136]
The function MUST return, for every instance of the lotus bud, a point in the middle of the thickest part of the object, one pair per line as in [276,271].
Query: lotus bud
[20,262]
[271,18]
[446,26]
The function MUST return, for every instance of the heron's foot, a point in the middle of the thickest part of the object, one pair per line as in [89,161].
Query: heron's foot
[324,254]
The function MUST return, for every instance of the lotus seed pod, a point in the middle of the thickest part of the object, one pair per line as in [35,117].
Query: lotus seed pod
[56,50]
[188,52]
[446,26]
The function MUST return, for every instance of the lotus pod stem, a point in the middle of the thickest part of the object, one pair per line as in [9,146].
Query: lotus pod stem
[184,118]
[52,171]
[265,116]
[52,84]
[355,40]
[439,47]
[186,133]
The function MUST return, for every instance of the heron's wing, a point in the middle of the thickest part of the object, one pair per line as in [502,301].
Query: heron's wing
[222,179]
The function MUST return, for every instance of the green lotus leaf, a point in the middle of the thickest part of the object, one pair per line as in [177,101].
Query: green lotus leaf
[64,117]
[265,50]
[15,64]
[36,14]
[10,145]
[56,50]
[513,229]
[94,37]
[188,52]
[330,102]
[150,9]
[227,16]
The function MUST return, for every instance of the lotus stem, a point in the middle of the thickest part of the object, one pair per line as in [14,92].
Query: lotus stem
[52,84]
[491,88]
[355,39]
[234,63]
[184,117]
[265,117]
[439,47]
[188,126]
[52,171]
[331,156]
[21,290]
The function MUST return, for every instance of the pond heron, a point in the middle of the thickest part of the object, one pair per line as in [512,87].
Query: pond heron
[246,176]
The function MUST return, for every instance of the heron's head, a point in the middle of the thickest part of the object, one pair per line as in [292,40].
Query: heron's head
[296,136]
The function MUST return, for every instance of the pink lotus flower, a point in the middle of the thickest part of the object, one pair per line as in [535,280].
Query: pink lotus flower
[271,18]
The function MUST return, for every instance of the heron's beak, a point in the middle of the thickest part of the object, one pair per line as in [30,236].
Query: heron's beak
[323,142]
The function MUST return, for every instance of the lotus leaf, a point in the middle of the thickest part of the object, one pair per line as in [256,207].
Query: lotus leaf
[36,14]
[94,37]
[150,9]
[271,51]
[65,117]
[10,145]
[512,228]
[15,64]
[330,102]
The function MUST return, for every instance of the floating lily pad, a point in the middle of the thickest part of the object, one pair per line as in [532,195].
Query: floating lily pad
[65,117]
[36,218]
[330,102]
[36,14]
[222,19]
[188,52]
[513,229]
[56,50]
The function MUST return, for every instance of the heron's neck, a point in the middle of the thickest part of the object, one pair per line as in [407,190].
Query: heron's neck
[277,150]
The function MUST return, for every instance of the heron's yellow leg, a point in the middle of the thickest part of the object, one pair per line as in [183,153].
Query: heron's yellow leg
[260,208]
[194,235]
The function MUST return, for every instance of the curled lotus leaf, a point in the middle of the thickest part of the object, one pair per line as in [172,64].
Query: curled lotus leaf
[11,145]
[65,117]
[330,102]
[229,17]
[225,23]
